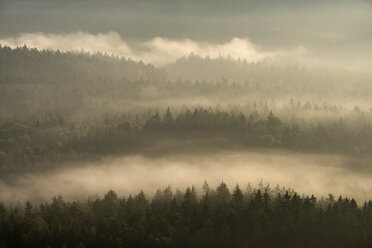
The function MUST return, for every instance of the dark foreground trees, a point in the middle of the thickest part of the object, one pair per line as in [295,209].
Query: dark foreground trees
[216,218]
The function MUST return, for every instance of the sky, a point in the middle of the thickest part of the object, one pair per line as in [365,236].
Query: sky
[329,31]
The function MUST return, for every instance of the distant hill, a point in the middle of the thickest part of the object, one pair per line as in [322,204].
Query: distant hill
[89,87]
[296,78]
[24,65]
[34,82]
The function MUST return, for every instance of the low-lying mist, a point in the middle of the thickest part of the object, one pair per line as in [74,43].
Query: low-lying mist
[305,173]
[158,51]
[163,51]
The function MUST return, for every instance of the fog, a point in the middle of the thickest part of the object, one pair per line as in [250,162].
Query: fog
[305,173]
[162,51]
[158,51]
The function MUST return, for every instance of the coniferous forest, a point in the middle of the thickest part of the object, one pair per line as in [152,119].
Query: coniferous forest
[199,123]
[66,122]
[220,217]
[46,139]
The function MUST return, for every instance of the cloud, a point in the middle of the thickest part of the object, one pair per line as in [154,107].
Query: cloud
[110,42]
[158,51]
[161,51]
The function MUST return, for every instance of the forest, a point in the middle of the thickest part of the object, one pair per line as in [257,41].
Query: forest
[57,107]
[39,144]
[59,110]
[197,123]
[81,87]
[220,217]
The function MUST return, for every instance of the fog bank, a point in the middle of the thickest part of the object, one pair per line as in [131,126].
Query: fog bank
[158,51]
[308,174]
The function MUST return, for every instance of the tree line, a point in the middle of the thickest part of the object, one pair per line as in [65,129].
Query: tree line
[220,217]
[90,86]
[25,144]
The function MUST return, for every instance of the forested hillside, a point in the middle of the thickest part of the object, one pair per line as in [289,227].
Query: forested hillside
[57,107]
[277,78]
[37,144]
[80,87]
[35,83]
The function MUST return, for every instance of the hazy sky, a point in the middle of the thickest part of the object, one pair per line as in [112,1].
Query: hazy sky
[333,30]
